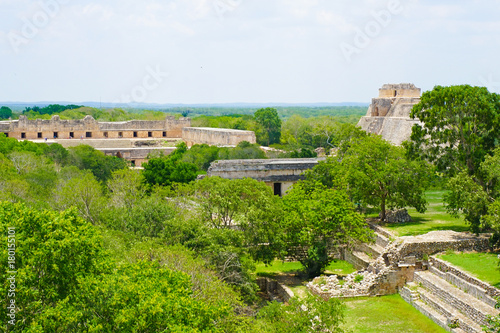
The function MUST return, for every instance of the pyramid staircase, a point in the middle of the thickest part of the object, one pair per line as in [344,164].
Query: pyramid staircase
[454,300]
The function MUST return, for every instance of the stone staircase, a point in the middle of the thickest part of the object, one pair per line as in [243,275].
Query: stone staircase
[364,254]
[456,302]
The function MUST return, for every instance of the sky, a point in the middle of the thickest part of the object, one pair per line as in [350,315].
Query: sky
[251,51]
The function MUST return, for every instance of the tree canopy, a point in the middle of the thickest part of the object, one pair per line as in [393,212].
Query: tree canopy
[460,126]
[166,170]
[271,123]
[316,222]
[5,112]
[379,174]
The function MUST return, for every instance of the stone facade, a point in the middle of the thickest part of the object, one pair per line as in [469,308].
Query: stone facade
[216,136]
[88,127]
[137,156]
[280,174]
[389,114]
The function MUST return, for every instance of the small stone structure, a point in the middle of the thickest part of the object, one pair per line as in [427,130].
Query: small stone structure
[216,136]
[274,289]
[389,114]
[280,174]
[396,216]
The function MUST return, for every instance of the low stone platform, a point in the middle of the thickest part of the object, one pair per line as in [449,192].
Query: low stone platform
[453,299]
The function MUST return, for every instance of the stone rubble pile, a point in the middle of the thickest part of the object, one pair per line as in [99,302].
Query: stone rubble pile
[359,283]
[356,284]
[397,216]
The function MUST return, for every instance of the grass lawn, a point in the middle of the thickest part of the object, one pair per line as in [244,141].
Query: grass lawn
[435,218]
[386,314]
[339,267]
[484,266]
[277,267]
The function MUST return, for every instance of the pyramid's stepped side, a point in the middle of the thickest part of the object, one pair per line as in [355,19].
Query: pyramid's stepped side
[389,114]
[453,299]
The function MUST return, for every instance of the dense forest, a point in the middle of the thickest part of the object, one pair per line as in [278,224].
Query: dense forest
[97,246]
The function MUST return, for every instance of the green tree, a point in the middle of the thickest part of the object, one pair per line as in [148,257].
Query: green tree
[241,217]
[315,222]
[247,204]
[57,153]
[460,126]
[271,123]
[201,156]
[379,174]
[53,250]
[243,151]
[477,198]
[326,132]
[87,158]
[140,297]
[126,188]
[5,112]
[12,186]
[166,170]
[85,193]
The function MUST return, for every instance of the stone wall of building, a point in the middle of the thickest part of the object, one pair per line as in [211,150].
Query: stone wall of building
[216,136]
[399,90]
[88,127]
[280,174]
[137,156]
[113,137]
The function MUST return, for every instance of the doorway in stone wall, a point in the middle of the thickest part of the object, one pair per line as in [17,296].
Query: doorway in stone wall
[277,189]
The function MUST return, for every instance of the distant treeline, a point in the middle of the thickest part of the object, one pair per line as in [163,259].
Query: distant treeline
[284,112]
[346,114]
[51,109]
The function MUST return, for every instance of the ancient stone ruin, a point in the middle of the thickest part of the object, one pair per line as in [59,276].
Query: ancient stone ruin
[389,113]
[279,174]
[455,300]
[133,140]
[396,216]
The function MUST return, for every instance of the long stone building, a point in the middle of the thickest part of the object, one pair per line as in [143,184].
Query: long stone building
[89,128]
[132,140]
[389,113]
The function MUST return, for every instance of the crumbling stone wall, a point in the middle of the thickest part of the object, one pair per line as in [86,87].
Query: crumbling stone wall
[439,241]
[274,288]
